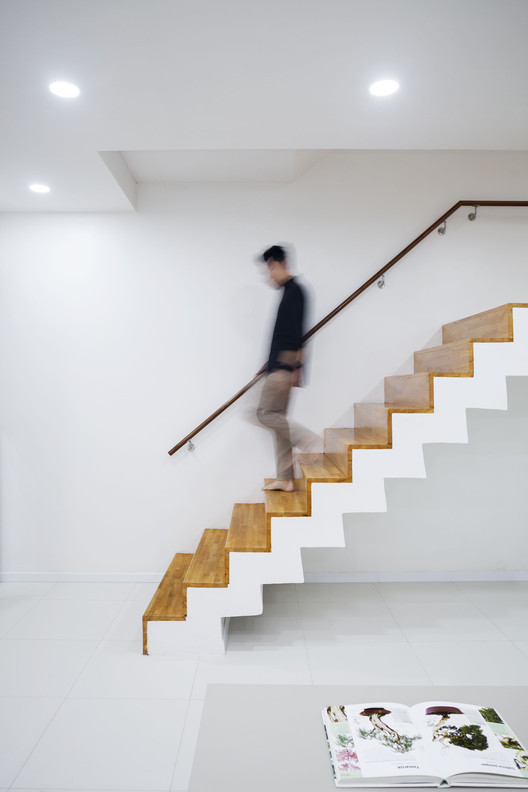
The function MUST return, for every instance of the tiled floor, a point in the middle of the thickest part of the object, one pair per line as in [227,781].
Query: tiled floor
[82,709]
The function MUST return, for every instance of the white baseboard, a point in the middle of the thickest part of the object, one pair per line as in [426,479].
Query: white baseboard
[415,577]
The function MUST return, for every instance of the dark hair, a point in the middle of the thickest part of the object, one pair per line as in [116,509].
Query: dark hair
[275,252]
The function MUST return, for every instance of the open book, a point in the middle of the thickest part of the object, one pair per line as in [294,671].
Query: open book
[435,743]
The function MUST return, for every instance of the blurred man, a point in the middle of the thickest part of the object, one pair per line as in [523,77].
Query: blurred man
[284,369]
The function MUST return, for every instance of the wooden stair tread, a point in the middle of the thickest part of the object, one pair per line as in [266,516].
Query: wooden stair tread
[493,325]
[362,437]
[169,602]
[207,568]
[286,504]
[319,467]
[341,442]
[455,357]
[398,407]
[248,530]
[372,417]
[410,390]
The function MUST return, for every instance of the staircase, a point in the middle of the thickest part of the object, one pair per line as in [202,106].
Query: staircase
[191,608]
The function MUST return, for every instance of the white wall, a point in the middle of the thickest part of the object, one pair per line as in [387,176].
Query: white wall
[121,332]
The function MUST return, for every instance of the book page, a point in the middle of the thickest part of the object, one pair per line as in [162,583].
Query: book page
[343,754]
[466,738]
[387,742]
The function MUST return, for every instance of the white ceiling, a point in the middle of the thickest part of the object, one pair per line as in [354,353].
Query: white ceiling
[244,90]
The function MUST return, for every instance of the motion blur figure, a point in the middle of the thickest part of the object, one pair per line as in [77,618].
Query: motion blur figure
[284,369]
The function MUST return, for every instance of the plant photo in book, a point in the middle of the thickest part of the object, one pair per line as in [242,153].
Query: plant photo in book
[430,744]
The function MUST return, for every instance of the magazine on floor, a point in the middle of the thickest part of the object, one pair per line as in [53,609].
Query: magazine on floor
[434,743]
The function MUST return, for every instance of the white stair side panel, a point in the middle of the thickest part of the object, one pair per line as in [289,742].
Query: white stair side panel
[365,493]
[444,425]
[282,565]
[181,637]
[403,460]
[243,599]
[319,530]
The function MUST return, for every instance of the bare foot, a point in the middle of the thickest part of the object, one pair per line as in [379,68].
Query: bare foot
[280,485]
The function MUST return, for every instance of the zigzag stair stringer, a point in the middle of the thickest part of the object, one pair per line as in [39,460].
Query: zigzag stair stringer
[453,395]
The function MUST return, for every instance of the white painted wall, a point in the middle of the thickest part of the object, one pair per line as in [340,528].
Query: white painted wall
[121,332]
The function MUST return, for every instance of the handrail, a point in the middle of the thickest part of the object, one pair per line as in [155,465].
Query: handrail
[346,302]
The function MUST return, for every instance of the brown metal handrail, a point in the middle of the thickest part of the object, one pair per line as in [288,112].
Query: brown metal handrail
[346,302]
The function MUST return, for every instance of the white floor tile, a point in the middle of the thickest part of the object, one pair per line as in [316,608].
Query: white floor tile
[12,611]
[23,721]
[66,619]
[323,625]
[522,646]
[444,621]
[182,773]
[420,592]
[24,590]
[503,591]
[510,617]
[279,625]
[143,591]
[91,591]
[473,663]
[253,665]
[107,745]
[345,607]
[128,623]
[118,669]
[366,664]
[341,592]
[41,668]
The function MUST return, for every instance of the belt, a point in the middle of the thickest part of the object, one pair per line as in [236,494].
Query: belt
[283,367]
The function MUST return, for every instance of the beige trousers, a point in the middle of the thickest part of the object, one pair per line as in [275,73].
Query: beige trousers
[271,412]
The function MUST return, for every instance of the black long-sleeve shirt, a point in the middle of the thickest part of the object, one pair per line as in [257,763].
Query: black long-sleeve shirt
[289,325]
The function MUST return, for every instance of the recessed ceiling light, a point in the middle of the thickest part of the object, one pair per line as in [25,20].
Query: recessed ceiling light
[39,188]
[384,87]
[65,90]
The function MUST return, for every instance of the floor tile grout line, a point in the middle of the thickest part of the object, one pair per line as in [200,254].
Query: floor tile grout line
[36,603]
[64,699]
[28,757]
[407,641]
[116,617]
[183,727]
[411,647]
[519,651]
[400,628]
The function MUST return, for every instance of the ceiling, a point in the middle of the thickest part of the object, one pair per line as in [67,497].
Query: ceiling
[244,90]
